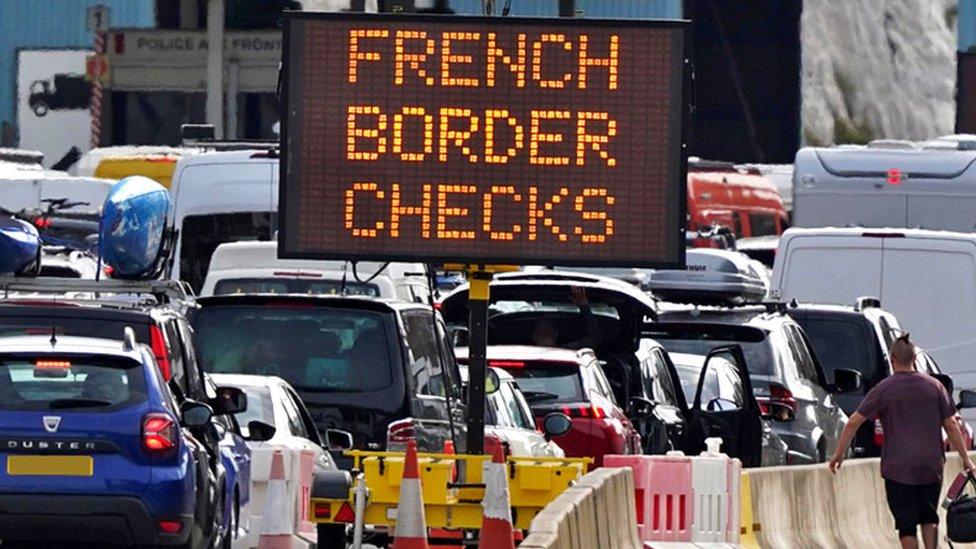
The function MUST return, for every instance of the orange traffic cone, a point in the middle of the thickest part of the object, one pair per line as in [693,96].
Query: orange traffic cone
[411,526]
[496,526]
[276,523]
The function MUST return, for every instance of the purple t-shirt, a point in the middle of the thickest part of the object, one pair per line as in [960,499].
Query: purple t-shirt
[911,406]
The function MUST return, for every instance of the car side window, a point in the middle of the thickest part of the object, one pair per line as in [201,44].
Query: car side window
[190,363]
[600,380]
[519,419]
[295,424]
[503,417]
[426,366]
[664,391]
[801,353]
[311,431]
[176,364]
[452,372]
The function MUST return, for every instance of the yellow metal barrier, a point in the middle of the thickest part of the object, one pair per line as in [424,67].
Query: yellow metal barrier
[450,503]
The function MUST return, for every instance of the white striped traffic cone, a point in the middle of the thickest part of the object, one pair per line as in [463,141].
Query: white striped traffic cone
[276,522]
[411,526]
[496,526]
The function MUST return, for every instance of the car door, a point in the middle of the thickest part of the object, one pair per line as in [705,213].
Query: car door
[308,437]
[427,381]
[726,408]
[664,428]
[830,417]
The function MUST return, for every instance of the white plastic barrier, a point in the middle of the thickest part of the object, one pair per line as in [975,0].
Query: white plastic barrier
[714,485]
[298,472]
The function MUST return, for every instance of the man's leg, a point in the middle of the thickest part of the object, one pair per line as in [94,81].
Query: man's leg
[928,515]
[904,508]
[930,536]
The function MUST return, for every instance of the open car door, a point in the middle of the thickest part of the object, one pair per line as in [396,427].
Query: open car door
[722,410]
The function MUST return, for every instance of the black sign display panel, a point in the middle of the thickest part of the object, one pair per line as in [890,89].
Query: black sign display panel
[483,140]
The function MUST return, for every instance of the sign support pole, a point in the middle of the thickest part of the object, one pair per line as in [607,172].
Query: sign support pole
[479,296]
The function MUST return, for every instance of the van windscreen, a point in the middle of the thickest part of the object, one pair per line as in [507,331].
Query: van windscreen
[313,348]
[201,234]
[311,286]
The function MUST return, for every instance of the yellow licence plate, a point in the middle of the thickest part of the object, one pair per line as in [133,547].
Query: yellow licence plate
[72,466]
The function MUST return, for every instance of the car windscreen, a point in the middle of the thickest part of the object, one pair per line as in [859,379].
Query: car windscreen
[309,286]
[841,344]
[549,383]
[759,355]
[90,384]
[314,348]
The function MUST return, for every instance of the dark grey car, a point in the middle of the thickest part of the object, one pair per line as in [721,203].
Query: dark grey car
[787,379]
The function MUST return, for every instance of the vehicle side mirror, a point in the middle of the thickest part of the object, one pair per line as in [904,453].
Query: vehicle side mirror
[259,431]
[195,414]
[640,407]
[776,411]
[338,440]
[460,337]
[967,399]
[846,380]
[556,424]
[229,400]
[946,382]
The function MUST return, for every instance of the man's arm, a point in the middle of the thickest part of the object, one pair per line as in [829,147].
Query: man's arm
[853,424]
[955,440]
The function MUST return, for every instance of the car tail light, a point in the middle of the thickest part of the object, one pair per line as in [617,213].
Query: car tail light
[400,432]
[777,395]
[593,411]
[159,433]
[170,526]
[159,349]
[322,510]
[879,436]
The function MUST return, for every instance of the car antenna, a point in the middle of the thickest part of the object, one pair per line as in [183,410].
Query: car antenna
[342,283]
[54,335]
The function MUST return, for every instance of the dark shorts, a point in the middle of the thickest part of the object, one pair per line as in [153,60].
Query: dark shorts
[912,505]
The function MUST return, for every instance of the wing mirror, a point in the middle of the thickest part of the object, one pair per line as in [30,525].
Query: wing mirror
[338,440]
[195,414]
[776,411]
[556,424]
[492,382]
[460,337]
[229,400]
[846,380]
[259,431]
[967,399]
[640,407]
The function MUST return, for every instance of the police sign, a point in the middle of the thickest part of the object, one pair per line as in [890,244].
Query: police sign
[482,140]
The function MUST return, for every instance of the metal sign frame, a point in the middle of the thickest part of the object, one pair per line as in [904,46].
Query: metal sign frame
[680,130]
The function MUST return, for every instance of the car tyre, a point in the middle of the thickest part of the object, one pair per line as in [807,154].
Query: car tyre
[331,536]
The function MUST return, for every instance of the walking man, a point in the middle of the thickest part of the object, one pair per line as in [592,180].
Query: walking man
[914,408]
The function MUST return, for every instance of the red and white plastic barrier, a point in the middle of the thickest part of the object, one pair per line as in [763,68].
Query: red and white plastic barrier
[685,498]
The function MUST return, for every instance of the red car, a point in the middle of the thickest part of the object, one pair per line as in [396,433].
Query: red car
[571,382]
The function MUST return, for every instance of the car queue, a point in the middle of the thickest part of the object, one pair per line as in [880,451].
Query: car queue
[107,385]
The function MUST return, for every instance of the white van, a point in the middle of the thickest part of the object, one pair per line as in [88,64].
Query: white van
[221,197]
[254,267]
[24,186]
[925,278]
[929,185]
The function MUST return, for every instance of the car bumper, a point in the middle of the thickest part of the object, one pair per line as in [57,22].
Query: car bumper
[124,520]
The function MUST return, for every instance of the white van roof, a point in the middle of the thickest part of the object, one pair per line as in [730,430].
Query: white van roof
[253,255]
[19,188]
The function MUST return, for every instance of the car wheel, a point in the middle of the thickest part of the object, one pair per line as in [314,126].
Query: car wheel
[40,109]
[331,535]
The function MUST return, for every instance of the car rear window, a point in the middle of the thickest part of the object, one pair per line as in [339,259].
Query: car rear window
[759,355]
[313,348]
[92,384]
[259,408]
[75,326]
[841,344]
[543,383]
[294,286]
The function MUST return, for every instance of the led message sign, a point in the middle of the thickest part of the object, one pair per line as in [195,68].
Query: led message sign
[483,140]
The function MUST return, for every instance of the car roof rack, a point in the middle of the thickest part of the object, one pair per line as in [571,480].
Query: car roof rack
[164,291]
